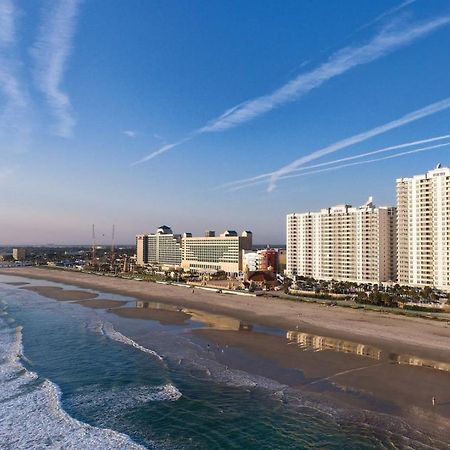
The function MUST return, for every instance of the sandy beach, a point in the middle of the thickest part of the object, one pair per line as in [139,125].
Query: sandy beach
[421,337]
[61,294]
[164,317]
[366,359]
[101,303]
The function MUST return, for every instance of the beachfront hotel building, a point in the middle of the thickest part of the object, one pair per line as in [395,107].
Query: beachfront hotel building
[423,203]
[343,243]
[264,259]
[161,248]
[211,253]
[19,254]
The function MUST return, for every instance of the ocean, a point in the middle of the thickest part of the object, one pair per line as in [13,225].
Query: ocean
[73,377]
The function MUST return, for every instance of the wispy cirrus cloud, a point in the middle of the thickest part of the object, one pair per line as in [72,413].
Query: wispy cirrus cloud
[130,133]
[51,52]
[273,177]
[13,120]
[391,38]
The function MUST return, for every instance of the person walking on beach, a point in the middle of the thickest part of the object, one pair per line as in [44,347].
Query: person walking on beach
[433,401]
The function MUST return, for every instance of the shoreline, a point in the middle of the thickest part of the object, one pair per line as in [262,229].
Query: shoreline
[364,368]
[402,334]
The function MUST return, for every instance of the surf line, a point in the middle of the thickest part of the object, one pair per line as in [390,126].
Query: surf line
[343,373]
[108,330]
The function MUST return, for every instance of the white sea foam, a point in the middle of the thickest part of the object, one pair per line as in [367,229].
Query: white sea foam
[117,399]
[31,415]
[108,330]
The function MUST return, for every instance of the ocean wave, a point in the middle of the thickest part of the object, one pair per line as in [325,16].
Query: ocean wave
[107,329]
[31,412]
[113,401]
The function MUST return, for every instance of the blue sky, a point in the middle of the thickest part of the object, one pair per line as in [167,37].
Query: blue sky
[140,113]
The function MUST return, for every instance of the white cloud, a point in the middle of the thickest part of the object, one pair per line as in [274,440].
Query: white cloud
[130,133]
[51,52]
[388,40]
[13,118]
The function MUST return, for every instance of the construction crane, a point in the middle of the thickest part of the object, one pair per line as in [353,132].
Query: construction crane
[93,262]
[113,247]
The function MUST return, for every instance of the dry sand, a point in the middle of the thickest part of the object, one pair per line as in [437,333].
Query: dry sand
[420,337]
[373,383]
[101,303]
[163,316]
[57,293]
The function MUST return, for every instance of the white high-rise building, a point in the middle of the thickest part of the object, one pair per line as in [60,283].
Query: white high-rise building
[213,253]
[423,229]
[162,247]
[343,243]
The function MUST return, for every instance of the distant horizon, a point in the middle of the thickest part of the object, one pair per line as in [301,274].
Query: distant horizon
[109,245]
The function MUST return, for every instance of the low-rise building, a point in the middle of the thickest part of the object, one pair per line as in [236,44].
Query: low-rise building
[19,254]
[250,260]
[265,259]
[268,259]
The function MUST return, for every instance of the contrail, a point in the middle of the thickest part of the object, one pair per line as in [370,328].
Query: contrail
[163,149]
[340,62]
[369,161]
[51,52]
[387,41]
[386,13]
[339,145]
[250,181]
[411,117]
[342,166]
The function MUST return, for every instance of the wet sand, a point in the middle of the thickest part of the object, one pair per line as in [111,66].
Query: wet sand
[381,380]
[17,283]
[101,303]
[364,382]
[421,337]
[163,316]
[57,293]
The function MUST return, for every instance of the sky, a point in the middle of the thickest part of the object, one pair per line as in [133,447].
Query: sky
[212,115]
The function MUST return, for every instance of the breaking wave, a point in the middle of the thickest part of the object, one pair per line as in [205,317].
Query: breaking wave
[114,401]
[107,329]
[31,412]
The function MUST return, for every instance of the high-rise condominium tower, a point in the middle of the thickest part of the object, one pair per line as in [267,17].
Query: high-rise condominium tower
[423,229]
[343,243]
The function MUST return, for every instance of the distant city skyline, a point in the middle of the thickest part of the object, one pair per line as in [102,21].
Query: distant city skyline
[212,115]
